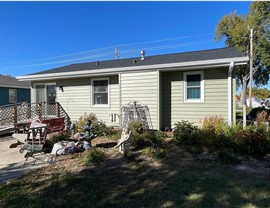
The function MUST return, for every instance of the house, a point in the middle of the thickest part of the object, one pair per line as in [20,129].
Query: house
[175,87]
[12,91]
[256,102]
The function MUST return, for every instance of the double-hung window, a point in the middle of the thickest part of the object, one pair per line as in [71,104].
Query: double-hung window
[193,87]
[12,93]
[100,92]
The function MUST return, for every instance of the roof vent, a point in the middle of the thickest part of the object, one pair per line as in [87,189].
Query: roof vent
[142,54]
[97,63]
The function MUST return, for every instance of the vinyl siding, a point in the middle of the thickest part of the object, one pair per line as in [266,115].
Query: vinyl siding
[76,99]
[174,108]
[23,95]
[143,88]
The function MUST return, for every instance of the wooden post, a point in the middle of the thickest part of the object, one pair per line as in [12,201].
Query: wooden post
[15,118]
[39,110]
[57,105]
[251,68]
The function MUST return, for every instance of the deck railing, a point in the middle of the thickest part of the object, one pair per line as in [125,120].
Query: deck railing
[23,112]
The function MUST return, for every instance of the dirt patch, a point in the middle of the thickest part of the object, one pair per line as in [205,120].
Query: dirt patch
[114,159]
[259,167]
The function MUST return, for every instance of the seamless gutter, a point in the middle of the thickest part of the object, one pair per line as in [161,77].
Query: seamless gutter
[162,67]
[14,86]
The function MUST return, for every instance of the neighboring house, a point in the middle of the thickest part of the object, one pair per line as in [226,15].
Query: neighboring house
[12,91]
[181,86]
[256,102]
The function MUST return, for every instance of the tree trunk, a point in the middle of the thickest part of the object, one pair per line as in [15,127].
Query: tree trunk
[244,91]
[244,83]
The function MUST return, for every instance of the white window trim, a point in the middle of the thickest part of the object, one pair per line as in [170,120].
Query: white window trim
[202,87]
[92,93]
[9,95]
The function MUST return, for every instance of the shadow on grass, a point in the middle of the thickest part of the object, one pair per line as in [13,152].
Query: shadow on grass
[177,181]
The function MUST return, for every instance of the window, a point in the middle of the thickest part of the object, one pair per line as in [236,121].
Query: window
[45,92]
[100,92]
[12,95]
[194,87]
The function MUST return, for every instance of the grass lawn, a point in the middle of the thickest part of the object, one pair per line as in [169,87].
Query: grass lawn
[179,180]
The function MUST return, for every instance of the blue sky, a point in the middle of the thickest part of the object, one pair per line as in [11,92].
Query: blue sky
[42,35]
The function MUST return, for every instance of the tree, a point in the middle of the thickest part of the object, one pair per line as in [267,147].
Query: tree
[262,93]
[236,31]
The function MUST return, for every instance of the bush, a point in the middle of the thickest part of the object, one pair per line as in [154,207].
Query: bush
[101,129]
[157,139]
[157,153]
[136,127]
[213,124]
[115,134]
[144,139]
[250,142]
[231,131]
[214,141]
[81,122]
[186,133]
[58,137]
[93,156]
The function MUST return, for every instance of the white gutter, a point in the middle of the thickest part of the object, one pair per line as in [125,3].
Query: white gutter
[13,86]
[230,93]
[180,65]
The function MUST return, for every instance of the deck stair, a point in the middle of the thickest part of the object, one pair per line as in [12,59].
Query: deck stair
[25,112]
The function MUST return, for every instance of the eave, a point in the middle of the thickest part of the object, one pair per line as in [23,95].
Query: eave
[162,67]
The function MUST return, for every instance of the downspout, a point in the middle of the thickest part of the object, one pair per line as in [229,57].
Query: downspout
[120,99]
[230,93]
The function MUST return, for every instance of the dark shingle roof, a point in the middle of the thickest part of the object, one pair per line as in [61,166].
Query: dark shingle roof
[211,54]
[12,82]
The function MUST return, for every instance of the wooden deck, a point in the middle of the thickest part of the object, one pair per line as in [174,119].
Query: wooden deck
[6,129]
[22,112]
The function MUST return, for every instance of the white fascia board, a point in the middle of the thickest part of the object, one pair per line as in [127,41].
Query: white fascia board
[12,86]
[107,71]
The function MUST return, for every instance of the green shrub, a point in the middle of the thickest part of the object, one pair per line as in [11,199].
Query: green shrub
[58,137]
[145,138]
[156,139]
[230,131]
[157,153]
[226,156]
[136,127]
[115,134]
[92,157]
[136,130]
[214,141]
[186,133]
[101,129]
[81,122]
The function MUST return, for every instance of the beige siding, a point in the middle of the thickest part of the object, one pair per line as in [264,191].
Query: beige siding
[174,108]
[76,99]
[143,88]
